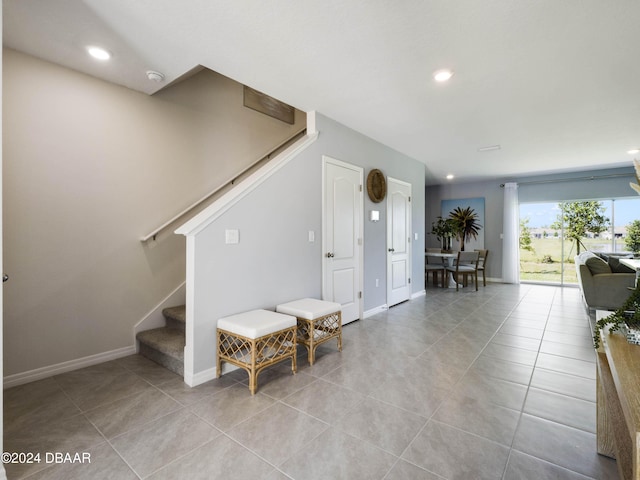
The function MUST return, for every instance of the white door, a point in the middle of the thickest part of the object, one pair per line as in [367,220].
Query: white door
[342,237]
[398,241]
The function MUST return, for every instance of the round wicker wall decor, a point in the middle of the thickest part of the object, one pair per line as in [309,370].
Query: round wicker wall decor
[376,185]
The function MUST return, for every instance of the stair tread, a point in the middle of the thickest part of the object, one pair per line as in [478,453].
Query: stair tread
[177,313]
[169,341]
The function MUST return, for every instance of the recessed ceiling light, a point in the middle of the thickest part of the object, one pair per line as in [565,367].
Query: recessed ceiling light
[633,151]
[442,75]
[450,177]
[99,53]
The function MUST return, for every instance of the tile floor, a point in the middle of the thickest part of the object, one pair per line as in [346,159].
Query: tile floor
[495,384]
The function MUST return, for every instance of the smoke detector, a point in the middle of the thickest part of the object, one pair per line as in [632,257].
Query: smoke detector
[155,76]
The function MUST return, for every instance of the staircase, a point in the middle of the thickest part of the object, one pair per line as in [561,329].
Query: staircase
[165,345]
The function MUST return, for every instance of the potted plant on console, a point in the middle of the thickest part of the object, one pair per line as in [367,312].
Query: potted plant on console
[627,315]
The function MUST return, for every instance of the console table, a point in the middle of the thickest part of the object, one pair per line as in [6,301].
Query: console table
[618,401]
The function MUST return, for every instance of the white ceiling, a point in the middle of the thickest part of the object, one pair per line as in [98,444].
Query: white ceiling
[555,83]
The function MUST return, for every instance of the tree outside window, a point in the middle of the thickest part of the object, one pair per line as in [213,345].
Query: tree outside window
[581,219]
[632,240]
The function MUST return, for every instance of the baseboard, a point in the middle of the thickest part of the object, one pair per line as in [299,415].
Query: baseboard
[193,380]
[415,295]
[51,370]
[373,311]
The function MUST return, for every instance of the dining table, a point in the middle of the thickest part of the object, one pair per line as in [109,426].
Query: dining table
[449,258]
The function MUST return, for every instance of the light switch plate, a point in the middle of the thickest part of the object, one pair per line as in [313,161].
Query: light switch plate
[232,237]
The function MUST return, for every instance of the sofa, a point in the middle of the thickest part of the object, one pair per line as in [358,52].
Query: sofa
[603,280]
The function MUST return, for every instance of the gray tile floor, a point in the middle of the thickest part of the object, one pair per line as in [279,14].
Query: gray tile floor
[494,384]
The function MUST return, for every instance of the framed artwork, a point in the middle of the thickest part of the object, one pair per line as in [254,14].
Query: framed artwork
[477,206]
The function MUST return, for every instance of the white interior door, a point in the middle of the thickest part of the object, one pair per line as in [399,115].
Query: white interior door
[342,237]
[398,241]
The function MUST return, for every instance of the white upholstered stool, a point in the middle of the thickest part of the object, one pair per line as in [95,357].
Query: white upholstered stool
[318,322]
[255,340]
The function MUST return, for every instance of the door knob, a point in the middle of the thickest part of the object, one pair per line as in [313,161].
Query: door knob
[330,255]
[392,250]
[5,277]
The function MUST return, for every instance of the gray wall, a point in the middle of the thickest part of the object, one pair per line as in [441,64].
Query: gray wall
[90,167]
[557,187]
[349,146]
[274,261]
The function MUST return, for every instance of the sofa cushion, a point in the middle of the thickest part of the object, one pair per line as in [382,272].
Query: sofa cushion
[597,265]
[617,267]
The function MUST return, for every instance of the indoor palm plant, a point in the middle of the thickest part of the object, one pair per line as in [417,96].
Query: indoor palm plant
[466,220]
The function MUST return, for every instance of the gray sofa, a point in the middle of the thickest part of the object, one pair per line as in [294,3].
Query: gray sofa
[604,283]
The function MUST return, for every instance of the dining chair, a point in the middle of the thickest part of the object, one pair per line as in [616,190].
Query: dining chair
[466,264]
[482,261]
[433,265]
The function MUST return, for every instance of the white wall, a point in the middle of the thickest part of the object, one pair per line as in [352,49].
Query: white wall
[89,168]
[274,261]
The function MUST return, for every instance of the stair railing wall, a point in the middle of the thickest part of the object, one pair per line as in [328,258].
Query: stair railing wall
[199,204]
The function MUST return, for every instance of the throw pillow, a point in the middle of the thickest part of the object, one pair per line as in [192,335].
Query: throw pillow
[597,265]
[617,267]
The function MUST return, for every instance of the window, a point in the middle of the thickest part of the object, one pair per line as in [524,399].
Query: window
[549,239]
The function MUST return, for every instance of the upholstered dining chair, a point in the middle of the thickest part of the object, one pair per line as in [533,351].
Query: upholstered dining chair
[433,266]
[482,261]
[465,265]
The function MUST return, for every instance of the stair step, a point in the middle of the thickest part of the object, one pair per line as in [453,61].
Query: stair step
[165,346]
[175,317]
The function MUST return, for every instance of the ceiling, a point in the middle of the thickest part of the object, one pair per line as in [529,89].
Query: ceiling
[555,83]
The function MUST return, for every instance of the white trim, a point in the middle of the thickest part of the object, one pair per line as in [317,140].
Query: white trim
[195,379]
[155,319]
[190,302]
[51,370]
[311,123]
[376,310]
[208,375]
[421,293]
[229,199]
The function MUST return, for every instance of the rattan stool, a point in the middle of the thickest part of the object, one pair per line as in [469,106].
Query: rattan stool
[318,322]
[255,340]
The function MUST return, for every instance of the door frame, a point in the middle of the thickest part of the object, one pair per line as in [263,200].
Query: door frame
[330,160]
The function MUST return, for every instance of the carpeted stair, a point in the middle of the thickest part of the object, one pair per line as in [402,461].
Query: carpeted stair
[165,345]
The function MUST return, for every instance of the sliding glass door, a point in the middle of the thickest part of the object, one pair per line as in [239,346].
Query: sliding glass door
[553,233]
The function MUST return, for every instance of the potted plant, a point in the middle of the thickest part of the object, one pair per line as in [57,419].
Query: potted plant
[629,312]
[467,226]
[444,229]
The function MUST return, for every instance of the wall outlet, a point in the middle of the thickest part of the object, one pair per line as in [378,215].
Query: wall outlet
[377,282]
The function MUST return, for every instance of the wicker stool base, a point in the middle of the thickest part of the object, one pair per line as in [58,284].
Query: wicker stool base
[312,333]
[256,354]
